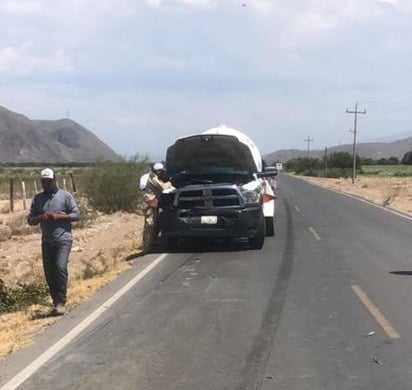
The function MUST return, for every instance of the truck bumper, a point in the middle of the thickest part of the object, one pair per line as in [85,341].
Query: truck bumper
[181,223]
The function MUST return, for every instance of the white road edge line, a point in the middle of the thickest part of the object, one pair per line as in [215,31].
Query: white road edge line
[297,209]
[28,371]
[313,231]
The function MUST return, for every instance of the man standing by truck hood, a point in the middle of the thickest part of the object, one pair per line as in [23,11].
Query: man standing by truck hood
[155,183]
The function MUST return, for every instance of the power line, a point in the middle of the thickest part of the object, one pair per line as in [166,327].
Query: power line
[356,112]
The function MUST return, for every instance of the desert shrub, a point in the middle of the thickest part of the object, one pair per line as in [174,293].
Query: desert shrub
[87,214]
[100,264]
[23,295]
[303,164]
[342,160]
[111,187]
[338,173]
[310,172]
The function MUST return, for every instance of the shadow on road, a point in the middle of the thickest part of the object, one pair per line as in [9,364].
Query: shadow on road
[402,273]
[196,245]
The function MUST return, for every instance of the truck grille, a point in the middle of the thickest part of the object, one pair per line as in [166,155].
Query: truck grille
[208,198]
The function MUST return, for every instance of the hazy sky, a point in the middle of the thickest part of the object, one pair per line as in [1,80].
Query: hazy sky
[140,73]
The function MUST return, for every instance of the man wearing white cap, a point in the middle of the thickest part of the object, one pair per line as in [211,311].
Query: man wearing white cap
[155,183]
[54,209]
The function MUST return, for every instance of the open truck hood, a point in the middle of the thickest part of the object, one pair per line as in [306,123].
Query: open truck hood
[210,153]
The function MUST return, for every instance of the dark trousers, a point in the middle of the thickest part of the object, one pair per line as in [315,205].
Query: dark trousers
[55,259]
[150,229]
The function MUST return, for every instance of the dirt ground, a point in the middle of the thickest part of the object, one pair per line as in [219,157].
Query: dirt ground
[391,192]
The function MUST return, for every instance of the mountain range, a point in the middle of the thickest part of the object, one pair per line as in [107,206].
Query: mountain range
[48,141]
[374,150]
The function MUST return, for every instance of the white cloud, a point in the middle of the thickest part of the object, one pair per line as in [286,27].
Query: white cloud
[261,5]
[18,61]
[154,3]
[188,3]
[21,6]
[151,65]
[164,62]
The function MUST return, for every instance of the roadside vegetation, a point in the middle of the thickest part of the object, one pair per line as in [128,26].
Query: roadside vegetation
[100,188]
[340,165]
[398,170]
[111,187]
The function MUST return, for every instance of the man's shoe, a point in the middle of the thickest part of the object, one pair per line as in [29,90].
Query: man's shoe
[58,310]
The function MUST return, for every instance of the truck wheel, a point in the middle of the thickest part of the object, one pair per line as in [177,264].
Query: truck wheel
[258,240]
[270,226]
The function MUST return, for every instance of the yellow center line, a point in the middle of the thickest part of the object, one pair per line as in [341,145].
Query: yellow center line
[376,313]
[314,232]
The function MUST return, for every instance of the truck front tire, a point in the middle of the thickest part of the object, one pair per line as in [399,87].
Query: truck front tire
[258,240]
[270,226]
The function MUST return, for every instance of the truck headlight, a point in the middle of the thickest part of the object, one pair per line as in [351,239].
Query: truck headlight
[251,196]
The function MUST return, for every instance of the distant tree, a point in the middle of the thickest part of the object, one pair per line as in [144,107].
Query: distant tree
[382,161]
[342,160]
[407,158]
[367,161]
[393,160]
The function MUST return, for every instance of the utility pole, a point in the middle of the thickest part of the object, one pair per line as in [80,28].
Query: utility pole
[356,112]
[325,161]
[308,140]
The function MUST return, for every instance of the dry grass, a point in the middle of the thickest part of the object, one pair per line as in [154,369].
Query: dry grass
[98,256]
[17,329]
[393,192]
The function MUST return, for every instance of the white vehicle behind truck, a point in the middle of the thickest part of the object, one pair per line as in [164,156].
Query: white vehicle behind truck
[221,189]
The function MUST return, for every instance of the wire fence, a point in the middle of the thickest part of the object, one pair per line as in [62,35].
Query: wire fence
[18,191]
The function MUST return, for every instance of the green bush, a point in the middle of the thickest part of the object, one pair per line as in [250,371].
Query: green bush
[303,164]
[111,187]
[310,172]
[342,160]
[22,296]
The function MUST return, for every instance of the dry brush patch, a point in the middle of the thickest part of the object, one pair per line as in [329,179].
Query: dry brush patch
[392,192]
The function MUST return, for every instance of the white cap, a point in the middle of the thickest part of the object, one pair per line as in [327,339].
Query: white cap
[47,174]
[158,167]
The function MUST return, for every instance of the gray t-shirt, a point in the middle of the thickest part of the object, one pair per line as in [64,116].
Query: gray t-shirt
[59,201]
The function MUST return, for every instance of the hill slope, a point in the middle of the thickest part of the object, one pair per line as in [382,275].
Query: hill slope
[374,150]
[25,140]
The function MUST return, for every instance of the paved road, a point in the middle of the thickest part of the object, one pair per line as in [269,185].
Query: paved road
[326,304]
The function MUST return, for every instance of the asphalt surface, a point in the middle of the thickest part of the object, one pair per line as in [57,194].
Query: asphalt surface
[326,304]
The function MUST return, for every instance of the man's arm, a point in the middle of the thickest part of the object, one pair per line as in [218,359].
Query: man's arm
[34,218]
[72,212]
[162,185]
[37,219]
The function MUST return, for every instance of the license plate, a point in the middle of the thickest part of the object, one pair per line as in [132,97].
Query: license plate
[208,219]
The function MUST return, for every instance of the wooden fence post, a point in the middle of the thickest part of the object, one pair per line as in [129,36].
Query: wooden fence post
[23,191]
[11,195]
[73,183]
[64,183]
[35,187]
